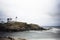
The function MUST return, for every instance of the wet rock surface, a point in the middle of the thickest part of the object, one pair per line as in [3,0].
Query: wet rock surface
[10,38]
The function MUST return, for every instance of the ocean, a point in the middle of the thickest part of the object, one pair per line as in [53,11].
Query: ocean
[52,34]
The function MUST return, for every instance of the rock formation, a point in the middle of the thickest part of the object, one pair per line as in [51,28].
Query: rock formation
[19,26]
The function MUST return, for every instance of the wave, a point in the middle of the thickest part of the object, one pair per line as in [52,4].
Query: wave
[54,30]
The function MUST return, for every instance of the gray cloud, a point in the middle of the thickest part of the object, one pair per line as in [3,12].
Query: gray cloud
[32,11]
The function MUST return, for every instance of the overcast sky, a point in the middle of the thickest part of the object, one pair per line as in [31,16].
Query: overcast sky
[41,12]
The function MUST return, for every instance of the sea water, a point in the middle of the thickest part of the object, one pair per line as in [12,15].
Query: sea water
[52,34]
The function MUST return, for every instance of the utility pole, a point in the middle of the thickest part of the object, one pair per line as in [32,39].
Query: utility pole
[16,18]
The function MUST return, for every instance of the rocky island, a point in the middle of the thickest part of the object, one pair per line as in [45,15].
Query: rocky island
[14,26]
[19,26]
